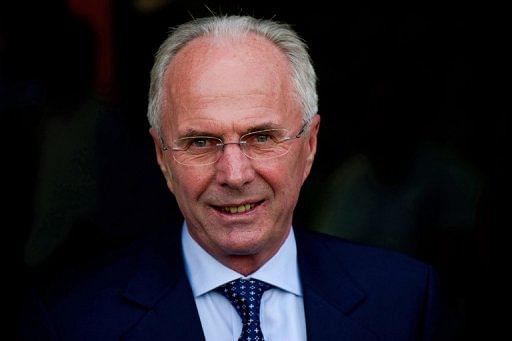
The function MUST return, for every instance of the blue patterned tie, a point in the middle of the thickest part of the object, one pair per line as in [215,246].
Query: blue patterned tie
[245,296]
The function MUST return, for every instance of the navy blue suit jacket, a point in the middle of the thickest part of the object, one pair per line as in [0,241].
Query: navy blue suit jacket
[351,292]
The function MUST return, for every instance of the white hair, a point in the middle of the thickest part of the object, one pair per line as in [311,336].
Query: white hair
[282,35]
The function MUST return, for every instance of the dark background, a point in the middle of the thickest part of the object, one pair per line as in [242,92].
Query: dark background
[79,164]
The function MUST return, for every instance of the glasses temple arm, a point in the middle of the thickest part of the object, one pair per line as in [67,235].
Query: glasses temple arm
[303,129]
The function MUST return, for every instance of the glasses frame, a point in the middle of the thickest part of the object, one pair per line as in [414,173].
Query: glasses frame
[241,143]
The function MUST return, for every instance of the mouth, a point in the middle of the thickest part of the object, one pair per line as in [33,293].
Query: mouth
[237,208]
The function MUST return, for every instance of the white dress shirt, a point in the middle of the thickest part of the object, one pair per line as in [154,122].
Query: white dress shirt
[282,308]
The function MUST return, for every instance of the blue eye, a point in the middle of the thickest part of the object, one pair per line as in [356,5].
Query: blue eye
[261,138]
[200,143]
[197,143]
[264,137]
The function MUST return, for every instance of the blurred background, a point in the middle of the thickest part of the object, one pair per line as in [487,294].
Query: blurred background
[412,153]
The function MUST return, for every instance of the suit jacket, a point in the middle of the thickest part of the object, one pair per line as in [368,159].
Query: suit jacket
[351,292]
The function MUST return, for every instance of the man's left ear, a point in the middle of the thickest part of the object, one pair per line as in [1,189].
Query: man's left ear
[312,142]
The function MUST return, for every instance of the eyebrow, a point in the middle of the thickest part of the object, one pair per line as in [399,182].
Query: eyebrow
[262,126]
[191,132]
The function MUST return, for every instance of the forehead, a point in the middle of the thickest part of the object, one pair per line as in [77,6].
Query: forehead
[229,79]
[225,60]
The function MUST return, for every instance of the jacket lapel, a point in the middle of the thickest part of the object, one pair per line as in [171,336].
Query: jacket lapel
[330,294]
[161,288]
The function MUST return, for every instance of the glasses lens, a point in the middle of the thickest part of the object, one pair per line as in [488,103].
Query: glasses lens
[265,144]
[198,150]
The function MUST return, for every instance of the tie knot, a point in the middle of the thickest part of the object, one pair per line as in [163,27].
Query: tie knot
[249,289]
[245,295]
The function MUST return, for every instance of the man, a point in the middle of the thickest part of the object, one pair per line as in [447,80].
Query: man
[233,114]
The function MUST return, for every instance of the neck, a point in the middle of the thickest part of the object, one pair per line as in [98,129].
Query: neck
[245,264]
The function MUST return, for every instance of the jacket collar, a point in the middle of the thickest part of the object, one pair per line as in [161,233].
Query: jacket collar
[331,295]
[160,286]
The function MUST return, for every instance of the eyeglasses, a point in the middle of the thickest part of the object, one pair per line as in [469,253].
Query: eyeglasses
[259,145]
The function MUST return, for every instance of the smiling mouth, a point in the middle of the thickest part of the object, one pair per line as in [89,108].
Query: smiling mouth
[237,209]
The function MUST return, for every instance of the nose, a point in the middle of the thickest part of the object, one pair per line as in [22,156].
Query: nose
[234,169]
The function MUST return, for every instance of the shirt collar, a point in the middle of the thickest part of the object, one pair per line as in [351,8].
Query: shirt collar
[206,273]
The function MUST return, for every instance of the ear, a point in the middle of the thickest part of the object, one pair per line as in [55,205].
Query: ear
[160,158]
[311,145]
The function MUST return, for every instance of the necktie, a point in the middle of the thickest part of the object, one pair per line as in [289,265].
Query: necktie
[245,295]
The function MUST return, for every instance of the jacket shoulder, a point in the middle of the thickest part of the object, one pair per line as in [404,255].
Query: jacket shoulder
[86,300]
[391,294]
[361,259]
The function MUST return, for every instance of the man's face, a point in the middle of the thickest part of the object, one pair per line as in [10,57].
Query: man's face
[226,89]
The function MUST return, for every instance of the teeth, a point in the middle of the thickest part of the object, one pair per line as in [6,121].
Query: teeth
[238,209]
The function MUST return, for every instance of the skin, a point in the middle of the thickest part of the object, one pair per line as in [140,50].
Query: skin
[224,87]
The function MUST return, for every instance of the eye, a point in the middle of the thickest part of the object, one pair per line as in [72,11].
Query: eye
[199,142]
[264,137]
[261,138]
[196,143]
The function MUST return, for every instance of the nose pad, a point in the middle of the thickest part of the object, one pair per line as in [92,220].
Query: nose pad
[234,168]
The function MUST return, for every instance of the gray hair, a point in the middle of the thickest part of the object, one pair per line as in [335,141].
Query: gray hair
[282,35]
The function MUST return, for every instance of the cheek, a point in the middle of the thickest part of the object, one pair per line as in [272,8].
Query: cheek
[284,175]
[189,184]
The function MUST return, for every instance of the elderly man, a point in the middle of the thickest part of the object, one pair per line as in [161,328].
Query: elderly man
[233,114]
